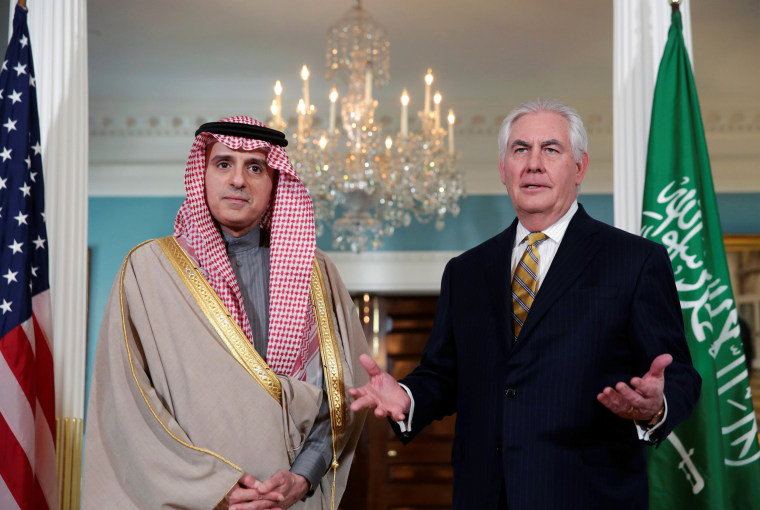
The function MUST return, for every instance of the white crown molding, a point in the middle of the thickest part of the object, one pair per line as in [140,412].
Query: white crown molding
[411,272]
[124,124]
[144,155]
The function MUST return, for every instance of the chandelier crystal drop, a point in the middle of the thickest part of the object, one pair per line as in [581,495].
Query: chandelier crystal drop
[364,183]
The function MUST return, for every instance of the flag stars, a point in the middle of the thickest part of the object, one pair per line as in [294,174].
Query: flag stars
[20,143]
[16,246]
[21,218]
[10,276]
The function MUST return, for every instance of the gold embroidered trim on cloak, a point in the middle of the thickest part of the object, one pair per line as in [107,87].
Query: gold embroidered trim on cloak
[332,366]
[217,314]
[134,374]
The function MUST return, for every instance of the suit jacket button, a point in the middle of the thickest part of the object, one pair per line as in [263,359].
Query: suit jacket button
[510,392]
[498,449]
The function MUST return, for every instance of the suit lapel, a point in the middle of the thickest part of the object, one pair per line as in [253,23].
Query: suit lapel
[574,254]
[497,274]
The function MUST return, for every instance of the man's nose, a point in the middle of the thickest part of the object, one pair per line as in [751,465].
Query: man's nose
[237,178]
[535,162]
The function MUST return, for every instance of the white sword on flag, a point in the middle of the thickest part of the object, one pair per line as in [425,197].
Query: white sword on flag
[687,466]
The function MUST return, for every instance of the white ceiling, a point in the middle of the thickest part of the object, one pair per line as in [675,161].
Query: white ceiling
[200,57]
[498,50]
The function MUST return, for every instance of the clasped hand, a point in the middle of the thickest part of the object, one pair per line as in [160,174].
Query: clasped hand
[643,398]
[278,492]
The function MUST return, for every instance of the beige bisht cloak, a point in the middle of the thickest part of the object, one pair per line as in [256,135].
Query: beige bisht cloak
[181,404]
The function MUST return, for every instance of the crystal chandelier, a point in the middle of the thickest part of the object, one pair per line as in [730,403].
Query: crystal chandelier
[364,185]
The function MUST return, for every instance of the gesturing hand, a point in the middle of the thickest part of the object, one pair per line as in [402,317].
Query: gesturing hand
[645,398]
[382,393]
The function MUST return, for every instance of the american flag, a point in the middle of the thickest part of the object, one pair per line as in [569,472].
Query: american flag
[27,395]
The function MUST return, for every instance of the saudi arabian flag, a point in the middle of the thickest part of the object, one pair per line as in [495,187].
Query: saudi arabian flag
[712,460]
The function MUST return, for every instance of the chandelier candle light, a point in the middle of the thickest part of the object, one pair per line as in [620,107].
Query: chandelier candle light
[365,186]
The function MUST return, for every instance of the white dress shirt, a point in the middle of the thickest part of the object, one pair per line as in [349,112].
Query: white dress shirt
[547,249]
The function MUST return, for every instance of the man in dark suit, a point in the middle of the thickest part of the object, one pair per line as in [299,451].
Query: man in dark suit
[559,343]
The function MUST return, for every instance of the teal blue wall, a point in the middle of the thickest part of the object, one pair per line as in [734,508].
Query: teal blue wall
[117,224]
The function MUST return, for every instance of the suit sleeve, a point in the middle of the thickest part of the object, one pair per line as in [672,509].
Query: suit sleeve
[657,328]
[434,382]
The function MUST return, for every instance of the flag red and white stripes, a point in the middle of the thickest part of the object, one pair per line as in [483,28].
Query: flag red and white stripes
[27,395]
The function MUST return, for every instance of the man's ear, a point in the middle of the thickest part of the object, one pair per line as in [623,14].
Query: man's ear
[502,171]
[581,167]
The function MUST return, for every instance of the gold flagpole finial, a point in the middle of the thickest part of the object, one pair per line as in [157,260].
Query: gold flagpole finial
[675,4]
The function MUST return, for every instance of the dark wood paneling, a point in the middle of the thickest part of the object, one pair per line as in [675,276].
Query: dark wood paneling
[393,476]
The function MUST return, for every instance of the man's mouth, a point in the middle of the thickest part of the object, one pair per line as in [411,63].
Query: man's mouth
[236,198]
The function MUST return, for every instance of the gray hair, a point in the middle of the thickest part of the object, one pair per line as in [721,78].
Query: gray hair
[578,136]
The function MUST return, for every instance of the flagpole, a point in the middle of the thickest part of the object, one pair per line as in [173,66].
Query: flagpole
[59,28]
[22,3]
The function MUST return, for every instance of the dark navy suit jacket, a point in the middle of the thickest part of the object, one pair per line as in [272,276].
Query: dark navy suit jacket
[527,416]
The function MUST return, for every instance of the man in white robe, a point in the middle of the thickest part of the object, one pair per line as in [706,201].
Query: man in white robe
[225,349]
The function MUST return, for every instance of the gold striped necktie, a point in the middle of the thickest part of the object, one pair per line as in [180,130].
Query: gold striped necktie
[525,282]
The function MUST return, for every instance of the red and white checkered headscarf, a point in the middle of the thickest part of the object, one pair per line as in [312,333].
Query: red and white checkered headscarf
[292,245]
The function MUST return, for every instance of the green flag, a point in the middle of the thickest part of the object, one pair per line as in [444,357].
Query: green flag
[712,460]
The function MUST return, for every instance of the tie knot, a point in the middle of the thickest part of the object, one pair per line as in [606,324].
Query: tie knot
[535,237]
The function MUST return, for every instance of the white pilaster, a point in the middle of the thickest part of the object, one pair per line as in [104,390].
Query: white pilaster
[639,35]
[58,34]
